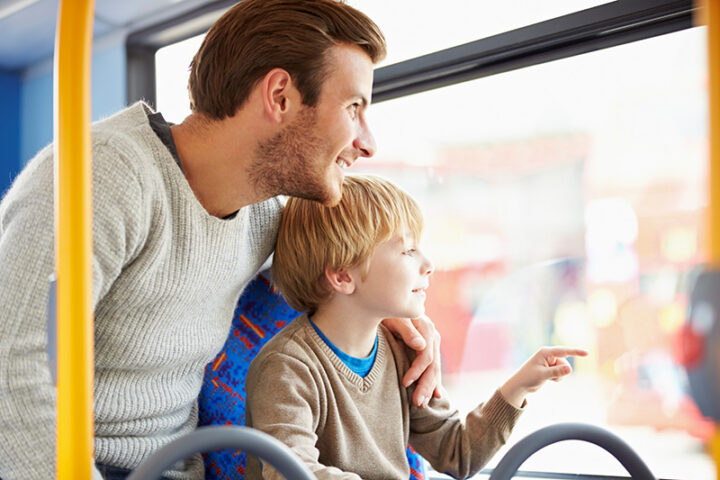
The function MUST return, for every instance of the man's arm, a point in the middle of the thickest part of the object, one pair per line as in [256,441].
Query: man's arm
[27,394]
[420,335]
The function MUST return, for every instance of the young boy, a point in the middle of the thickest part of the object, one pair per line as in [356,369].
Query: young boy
[329,384]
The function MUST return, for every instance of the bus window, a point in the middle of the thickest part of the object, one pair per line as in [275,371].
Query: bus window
[172,70]
[564,204]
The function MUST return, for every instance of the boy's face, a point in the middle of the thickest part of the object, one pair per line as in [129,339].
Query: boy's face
[395,283]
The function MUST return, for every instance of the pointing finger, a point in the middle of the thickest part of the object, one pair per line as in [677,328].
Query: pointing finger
[567,352]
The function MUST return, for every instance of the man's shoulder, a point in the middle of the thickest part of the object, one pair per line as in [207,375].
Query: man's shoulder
[125,132]
[131,117]
[125,146]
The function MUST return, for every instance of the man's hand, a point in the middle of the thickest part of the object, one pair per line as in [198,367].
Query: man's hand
[420,334]
[548,363]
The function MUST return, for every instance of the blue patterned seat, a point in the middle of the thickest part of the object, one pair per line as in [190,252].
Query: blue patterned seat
[260,313]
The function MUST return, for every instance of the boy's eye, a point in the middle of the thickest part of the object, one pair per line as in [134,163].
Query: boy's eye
[409,252]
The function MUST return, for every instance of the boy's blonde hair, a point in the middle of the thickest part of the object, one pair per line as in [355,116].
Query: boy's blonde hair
[313,237]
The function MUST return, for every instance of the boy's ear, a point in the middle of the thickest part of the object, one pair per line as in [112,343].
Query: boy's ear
[278,93]
[340,280]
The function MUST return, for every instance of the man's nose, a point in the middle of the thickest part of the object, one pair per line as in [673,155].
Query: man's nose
[365,142]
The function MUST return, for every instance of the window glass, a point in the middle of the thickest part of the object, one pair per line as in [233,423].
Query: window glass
[564,204]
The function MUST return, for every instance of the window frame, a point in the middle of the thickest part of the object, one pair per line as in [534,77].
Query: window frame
[603,26]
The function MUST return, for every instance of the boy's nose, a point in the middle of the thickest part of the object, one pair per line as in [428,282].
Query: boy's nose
[428,267]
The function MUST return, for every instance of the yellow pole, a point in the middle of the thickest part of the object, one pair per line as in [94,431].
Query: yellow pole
[73,240]
[712,19]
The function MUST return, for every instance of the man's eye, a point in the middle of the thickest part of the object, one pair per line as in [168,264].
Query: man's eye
[354,108]
[409,252]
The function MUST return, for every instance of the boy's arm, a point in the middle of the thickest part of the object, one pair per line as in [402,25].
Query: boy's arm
[459,448]
[283,401]
[27,394]
[450,446]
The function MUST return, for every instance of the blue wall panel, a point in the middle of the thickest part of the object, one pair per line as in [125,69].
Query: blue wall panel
[36,115]
[36,101]
[109,92]
[9,128]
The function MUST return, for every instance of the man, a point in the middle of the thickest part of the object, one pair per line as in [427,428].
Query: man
[184,216]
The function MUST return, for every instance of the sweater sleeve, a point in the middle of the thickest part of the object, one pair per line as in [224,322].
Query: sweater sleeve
[284,401]
[27,394]
[456,447]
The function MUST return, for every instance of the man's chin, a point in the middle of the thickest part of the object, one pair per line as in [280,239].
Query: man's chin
[332,202]
[333,196]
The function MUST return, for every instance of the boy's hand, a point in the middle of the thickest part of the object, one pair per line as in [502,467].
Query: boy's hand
[548,363]
[420,334]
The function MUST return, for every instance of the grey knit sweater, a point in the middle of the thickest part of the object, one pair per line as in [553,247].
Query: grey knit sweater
[166,276]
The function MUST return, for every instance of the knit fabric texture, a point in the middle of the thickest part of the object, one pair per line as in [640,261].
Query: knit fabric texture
[166,277]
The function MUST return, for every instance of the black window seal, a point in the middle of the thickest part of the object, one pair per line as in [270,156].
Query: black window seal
[604,26]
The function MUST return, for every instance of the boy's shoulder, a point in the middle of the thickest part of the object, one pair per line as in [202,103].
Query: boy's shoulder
[290,342]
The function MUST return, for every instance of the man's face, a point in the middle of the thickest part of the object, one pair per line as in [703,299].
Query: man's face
[308,157]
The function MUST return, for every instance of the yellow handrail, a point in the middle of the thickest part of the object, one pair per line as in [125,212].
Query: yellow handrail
[73,240]
[712,17]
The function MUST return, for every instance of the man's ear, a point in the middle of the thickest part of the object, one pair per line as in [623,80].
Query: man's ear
[340,280]
[279,94]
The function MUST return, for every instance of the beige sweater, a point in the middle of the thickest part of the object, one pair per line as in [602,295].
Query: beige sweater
[343,426]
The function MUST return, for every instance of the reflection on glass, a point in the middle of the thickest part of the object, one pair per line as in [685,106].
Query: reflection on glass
[564,204]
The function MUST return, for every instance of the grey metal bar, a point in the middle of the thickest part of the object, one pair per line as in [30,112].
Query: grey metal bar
[206,439]
[141,74]
[520,452]
[51,319]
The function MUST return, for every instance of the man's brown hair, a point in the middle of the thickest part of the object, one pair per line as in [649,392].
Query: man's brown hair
[255,36]
[313,237]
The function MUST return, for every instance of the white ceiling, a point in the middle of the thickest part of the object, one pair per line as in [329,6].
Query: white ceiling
[28,35]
